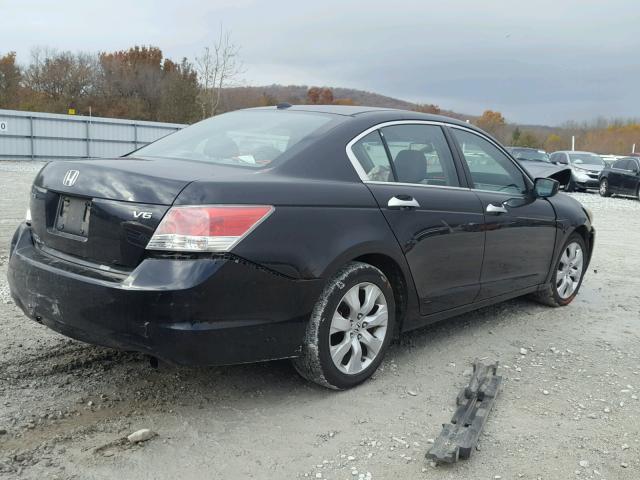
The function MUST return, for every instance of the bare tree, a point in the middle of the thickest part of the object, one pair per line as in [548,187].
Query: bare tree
[218,67]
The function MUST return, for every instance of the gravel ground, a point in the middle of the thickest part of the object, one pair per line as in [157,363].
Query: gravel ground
[569,406]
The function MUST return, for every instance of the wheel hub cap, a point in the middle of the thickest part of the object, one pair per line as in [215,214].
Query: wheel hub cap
[569,270]
[358,328]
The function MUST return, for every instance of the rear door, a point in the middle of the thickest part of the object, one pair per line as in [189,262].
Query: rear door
[436,219]
[520,234]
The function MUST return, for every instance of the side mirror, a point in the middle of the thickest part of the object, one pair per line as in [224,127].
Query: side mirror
[545,187]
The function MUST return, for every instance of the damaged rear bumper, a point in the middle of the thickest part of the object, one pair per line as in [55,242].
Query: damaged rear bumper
[205,311]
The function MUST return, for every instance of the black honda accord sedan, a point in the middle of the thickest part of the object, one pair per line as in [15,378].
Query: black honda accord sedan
[312,233]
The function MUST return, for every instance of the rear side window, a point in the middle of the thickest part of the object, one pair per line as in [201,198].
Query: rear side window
[373,159]
[420,154]
[247,138]
[490,168]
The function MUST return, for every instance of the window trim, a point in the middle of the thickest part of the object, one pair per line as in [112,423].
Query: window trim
[363,175]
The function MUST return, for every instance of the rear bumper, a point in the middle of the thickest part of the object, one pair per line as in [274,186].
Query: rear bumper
[207,311]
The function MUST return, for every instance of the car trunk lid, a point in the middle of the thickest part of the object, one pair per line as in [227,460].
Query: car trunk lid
[103,212]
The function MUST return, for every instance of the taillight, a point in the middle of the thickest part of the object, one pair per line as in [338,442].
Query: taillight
[213,228]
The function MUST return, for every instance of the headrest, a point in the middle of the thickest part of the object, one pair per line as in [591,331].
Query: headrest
[411,166]
[221,147]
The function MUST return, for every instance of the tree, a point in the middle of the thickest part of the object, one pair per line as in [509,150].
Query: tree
[320,96]
[59,79]
[130,84]
[343,101]
[554,142]
[515,136]
[491,122]
[179,92]
[217,67]
[10,77]
[313,95]
[427,108]
[528,139]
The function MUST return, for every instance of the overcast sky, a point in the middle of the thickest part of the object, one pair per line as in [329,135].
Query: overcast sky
[537,61]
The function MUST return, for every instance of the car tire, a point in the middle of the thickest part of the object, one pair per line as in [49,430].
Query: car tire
[338,330]
[604,188]
[553,294]
[638,193]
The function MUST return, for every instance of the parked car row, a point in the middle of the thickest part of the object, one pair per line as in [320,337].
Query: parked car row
[584,170]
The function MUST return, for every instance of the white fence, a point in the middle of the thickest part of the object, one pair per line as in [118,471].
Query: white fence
[47,136]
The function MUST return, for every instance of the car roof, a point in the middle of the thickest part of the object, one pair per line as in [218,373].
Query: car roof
[376,114]
[576,151]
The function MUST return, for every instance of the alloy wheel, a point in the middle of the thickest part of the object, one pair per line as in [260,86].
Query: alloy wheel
[569,270]
[358,328]
[604,187]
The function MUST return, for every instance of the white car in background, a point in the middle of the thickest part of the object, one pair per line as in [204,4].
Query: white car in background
[585,168]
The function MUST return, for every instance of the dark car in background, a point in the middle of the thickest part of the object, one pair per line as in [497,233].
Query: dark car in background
[621,178]
[585,168]
[312,232]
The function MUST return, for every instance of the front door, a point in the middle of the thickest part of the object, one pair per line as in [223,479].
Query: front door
[437,223]
[631,177]
[520,230]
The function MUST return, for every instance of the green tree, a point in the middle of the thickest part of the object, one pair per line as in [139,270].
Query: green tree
[515,136]
[10,77]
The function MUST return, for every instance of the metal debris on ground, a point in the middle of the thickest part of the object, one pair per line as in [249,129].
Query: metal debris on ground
[474,402]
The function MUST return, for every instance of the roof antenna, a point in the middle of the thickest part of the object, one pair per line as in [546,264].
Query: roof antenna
[283,106]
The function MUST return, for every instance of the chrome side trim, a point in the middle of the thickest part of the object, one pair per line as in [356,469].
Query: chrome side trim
[352,157]
[363,175]
[402,184]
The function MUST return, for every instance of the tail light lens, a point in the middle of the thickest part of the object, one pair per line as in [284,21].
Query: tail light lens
[216,228]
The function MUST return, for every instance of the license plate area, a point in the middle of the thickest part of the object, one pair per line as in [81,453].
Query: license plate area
[73,216]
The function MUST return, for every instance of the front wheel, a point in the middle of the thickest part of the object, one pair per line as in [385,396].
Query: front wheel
[350,328]
[567,275]
[604,188]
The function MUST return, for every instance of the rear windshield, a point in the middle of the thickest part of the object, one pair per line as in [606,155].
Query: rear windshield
[586,159]
[251,139]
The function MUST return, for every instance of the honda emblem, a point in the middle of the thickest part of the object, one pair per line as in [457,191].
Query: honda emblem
[70,178]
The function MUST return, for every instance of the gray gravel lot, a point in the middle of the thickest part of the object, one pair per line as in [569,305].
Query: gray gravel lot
[569,407]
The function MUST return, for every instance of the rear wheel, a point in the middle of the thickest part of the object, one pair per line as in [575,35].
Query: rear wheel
[604,188]
[568,274]
[350,328]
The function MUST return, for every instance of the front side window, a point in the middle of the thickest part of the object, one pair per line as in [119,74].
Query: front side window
[244,138]
[420,154]
[490,168]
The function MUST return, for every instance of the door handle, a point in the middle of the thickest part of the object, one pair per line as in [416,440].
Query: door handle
[404,202]
[496,209]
